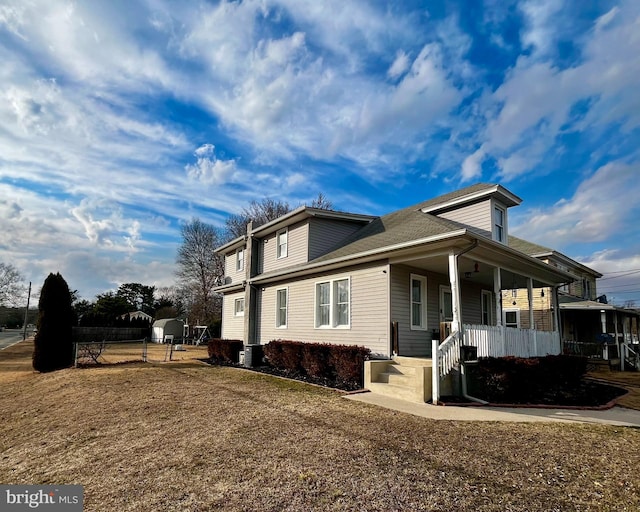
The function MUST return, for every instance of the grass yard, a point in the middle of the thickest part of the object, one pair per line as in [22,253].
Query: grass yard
[185,436]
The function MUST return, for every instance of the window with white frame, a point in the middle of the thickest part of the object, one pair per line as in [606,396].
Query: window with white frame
[282,237]
[499,224]
[238,307]
[240,259]
[511,317]
[282,303]
[418,302]
[487,308]
[333,304]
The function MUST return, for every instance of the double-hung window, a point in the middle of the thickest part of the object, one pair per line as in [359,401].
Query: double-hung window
[487,307]
[282,304]
[418,302]
[333,304]
[281,243]
[499,217]
[238,307]
[239,260]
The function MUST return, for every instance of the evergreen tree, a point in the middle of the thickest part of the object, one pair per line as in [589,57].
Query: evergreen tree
[53,346]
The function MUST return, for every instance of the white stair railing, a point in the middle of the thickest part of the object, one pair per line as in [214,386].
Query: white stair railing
[631,356]
[445,356]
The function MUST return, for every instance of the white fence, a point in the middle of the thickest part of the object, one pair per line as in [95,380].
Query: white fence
[499,341]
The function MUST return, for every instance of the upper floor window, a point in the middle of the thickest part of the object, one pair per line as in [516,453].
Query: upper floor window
[511,318]
[282,237]
[499,217]
[240,259]
[333,303]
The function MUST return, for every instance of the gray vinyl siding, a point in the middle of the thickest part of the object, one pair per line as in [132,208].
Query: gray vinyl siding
[368,310]
[477,216]
[230,271]
[325,235]
[418,342]
[232,326]
[297,249]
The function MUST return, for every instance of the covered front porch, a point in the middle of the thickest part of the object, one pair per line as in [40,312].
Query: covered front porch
[444,299]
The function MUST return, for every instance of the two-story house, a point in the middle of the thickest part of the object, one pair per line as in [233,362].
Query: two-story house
[391,283]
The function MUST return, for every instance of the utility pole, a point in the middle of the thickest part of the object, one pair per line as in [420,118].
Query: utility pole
[26,314]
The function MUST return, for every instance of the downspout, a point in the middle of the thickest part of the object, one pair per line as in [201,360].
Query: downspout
[463,373]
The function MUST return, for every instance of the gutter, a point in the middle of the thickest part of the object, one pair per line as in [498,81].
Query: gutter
[463,373]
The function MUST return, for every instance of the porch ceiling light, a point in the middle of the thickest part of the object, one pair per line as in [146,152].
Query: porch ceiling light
[476,267]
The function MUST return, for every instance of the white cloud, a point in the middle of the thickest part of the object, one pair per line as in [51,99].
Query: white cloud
[209,168]
[472,165]
[603,207]
[534,106]
[540,32]
[399,66]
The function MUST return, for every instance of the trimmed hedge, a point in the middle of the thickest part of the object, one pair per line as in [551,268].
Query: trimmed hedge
[224,350]
[339,364]
[518,380]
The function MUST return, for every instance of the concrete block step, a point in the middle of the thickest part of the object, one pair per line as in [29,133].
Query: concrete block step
[394,391]
[413,361]
[398,379]
[400,369]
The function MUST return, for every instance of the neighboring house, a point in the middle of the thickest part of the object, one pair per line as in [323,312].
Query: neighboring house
[392,283]
[138,315]
[584,317]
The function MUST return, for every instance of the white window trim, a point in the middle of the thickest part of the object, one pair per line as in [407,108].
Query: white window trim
[423,305]
[286,319]
[332,304]
[511,310]
[239,262]
[495,224]
[443,289]
[284,231]
[490,309]
[235,307]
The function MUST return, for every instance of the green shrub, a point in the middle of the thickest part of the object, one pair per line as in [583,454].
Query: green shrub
[514,379]
[53,345]
[341,365]
[224,350]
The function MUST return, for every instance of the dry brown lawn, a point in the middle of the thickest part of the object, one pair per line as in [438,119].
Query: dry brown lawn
[184,436]
[628,380]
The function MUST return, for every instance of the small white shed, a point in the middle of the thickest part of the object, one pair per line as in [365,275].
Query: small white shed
[167,327]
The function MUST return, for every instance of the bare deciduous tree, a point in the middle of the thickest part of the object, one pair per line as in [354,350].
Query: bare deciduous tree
[11,288]
[200,269]
[258,212]
[322,202]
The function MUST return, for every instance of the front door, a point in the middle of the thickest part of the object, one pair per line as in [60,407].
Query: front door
[446,311]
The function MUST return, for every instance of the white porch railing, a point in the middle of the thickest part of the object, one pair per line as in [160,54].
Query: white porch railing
[499,341]
[491,341]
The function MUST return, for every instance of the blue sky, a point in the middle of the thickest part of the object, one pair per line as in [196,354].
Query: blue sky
[121,120]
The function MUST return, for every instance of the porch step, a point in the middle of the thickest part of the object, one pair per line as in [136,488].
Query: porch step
[406,378]
[398,379]
[394,391]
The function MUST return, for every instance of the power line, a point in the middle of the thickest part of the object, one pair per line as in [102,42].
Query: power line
[621,271]
[621,275]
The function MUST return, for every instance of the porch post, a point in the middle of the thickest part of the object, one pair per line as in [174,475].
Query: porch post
[497,291]
[456,322]
[615,330]
[555,302]
[623,352]
[530,300]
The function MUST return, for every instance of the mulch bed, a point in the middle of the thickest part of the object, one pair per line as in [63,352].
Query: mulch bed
[589,394]
[302,377]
